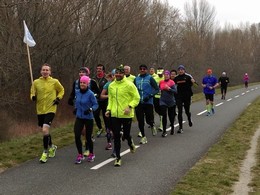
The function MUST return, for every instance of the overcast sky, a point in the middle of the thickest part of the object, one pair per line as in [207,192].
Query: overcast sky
[229,11]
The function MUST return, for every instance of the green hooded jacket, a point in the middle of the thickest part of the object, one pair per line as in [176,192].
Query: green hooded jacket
[121,95]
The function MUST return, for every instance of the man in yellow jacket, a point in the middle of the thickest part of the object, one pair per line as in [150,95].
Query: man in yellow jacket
[47,93]
[123,97]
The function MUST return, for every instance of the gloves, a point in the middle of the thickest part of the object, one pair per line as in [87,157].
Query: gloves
[56,101]
[70,101]
[34,98]
[88,111]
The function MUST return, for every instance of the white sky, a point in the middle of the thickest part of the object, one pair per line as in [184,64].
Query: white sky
[229,11]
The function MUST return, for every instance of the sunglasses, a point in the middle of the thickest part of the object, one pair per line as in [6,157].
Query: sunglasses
[142,69]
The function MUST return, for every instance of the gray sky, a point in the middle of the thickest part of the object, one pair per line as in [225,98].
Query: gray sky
[229,11]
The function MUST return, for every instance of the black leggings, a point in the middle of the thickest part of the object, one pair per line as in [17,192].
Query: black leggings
[223,90]
[171,114]
[102,106]
[144,110]
[157,105]
[185,102]
[78,127]
[117,124]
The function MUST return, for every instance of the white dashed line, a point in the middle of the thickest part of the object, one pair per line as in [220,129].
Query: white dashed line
[219,104]
[111,159]
[168,129]
[202,112]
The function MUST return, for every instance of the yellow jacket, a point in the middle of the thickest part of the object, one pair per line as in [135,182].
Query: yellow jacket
[121,95]
[46,91]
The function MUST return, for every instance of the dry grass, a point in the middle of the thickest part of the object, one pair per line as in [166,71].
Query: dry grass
[219,169]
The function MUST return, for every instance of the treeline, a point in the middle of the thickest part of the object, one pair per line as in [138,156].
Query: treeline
[70,34]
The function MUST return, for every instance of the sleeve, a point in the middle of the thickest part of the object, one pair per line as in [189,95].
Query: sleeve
[173,89]
[60,90]
[135,97]
[33,90]
[95,88]
[154,85]
[109,105]
[94,102]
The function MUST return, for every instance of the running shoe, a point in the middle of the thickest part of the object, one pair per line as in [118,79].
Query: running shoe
[213,110]
[132,147]
[86,153]
[190,122]
[172,131]
[143,140]
[99,132]
[154,131]
[180,131]
[208,114]
[109,146]
[91,157]
[93,139]
[160,128]
[139,134]
[44,157]
[164,134]
[52,151]
[118,162]
[79,159]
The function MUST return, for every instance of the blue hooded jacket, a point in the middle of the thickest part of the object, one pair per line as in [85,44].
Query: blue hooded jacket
[147,88]
[84,101]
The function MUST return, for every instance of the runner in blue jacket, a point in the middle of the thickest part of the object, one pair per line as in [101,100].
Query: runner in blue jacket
[209,83]
[85,105]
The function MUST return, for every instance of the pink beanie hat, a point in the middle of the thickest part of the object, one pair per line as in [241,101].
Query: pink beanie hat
[167,72]
[85,79]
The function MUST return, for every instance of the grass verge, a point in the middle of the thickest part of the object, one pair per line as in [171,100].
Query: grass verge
[219,169]
[19,150]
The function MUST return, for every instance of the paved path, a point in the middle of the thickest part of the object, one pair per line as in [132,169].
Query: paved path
[155,168]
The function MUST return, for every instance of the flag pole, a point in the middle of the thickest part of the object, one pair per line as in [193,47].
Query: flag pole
[28,39]
[30,64]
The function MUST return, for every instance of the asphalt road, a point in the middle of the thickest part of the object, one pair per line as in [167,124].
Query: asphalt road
[155,168]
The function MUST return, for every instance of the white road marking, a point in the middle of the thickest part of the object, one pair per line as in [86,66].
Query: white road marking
[111,159]
[122,153]
[168,129]
[243,93]
[219,104]
[202,112]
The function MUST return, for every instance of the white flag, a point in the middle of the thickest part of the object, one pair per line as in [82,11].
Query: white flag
[28,39]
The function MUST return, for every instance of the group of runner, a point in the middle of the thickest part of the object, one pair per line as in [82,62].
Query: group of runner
[119,96]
